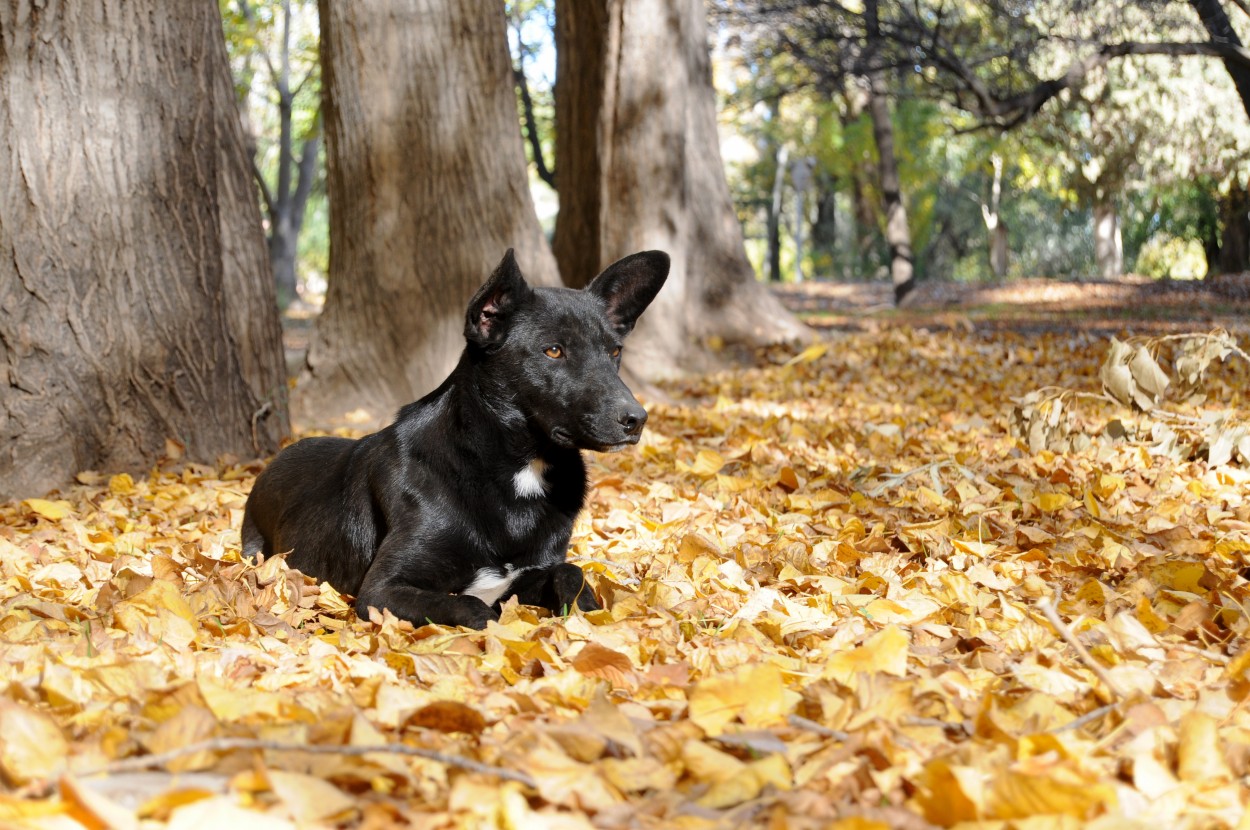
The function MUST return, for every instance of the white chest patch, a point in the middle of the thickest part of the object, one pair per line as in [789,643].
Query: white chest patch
[489,584]
[529,482]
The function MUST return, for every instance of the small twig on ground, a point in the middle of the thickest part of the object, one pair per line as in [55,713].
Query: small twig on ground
[959,727]
[801,722]
[1085,719]
[894,479]
[1051,612]
[232,744]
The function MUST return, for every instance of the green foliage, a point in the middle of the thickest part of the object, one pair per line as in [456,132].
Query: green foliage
[1163,139]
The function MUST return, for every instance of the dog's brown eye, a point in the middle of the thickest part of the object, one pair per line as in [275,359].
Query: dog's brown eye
[616,352]
[554,352]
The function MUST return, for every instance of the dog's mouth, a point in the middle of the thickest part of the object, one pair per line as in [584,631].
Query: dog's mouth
[563,438]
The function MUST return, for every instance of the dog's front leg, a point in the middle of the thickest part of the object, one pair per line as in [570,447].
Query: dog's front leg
[559,588]
[389,585]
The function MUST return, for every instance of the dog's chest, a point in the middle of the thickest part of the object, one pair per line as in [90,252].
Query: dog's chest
[530,481]
[525,502]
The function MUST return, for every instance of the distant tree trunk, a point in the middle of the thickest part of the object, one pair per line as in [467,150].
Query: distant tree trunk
[897,232]
[781,159]
[995,225]
[640,166]
[865,209]
[866,215]
[427,183]
[125,251]
[1108,245]
[286,216]
[825,228]
[1235,235]
[528,116]
[286,201]
[801,178]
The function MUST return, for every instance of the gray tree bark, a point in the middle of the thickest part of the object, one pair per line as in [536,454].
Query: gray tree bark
[897,231]
[1108,244]
[427,183]
[640,168]
[135,304]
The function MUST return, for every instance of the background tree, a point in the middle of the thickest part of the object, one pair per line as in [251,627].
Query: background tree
[639,161]
[537,105]
[276,69]
[1000,65]
[428,188]
[129,244]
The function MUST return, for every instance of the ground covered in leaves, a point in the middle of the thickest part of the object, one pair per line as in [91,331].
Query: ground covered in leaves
[839,594]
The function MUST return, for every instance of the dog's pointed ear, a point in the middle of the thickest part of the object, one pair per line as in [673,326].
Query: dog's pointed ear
[628,286]
[486,321]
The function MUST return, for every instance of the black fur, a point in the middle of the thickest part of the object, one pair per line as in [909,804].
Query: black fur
[407,518]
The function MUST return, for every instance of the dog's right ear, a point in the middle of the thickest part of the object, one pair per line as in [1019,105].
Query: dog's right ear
[628,286]
[506,290]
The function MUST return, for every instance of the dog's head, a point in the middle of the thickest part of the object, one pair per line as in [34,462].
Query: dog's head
[555,353]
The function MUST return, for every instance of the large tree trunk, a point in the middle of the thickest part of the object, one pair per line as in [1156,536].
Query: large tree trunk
[250,295]
[1108,245]
[122,256]
[640,167]
[897,232]
[428,187]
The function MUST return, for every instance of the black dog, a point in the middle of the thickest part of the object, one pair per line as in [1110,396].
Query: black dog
[470,496]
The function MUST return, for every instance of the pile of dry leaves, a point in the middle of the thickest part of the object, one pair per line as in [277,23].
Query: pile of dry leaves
[839,594]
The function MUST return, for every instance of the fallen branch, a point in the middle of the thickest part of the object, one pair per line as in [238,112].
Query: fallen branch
[234,744]
[1085,719]
[1051,612]
[933,467]
[954,727]
[801,722]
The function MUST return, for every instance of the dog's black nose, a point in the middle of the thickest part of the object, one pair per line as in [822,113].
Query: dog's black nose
[633,417]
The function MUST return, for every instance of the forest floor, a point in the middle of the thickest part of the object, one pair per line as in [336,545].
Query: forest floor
[921,574]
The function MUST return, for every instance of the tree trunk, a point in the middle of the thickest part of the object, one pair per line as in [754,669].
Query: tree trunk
[825,228]
[1235,234]
[897,232]
[250,297]
[995,226]
[1108,246]
[427,183]
[867,221]
[1220,29]
[640,165]
[286,219]
[125,249]
[781,158]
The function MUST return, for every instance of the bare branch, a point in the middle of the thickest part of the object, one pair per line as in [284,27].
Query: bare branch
[242,744]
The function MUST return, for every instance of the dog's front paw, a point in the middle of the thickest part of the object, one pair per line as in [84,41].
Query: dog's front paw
[572,589]
[471,612]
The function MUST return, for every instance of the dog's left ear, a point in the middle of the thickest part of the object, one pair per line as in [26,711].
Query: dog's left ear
[486,320]
[628,286]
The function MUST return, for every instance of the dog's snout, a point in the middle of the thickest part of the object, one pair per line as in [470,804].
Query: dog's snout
[633,418]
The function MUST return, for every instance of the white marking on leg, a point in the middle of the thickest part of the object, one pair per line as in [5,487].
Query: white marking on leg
[489,584]
[529,482]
